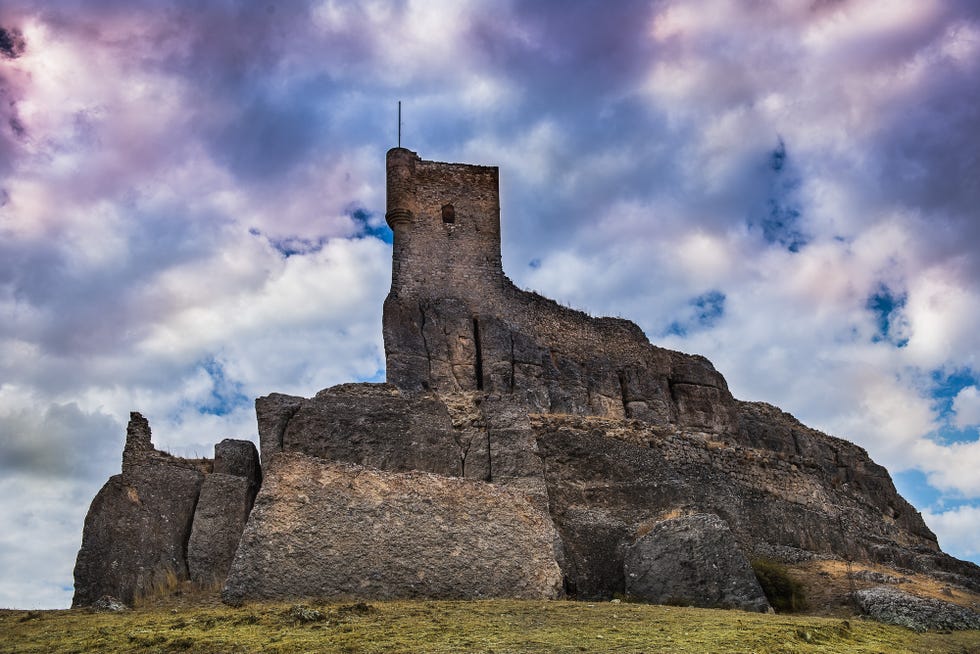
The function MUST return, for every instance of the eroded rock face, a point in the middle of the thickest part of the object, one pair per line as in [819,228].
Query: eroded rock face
[222,510]
[223,505]
[692,560]
[322,529]
[135,532]
[608,480]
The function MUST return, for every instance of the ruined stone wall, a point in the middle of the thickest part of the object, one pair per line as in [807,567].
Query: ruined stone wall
[454,322]
[164,519]
[518,445]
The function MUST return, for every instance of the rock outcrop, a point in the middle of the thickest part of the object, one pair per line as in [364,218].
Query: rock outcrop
[165,519]
[692,560]
[893,606]
[519,448]
[322,529]
[223,505]
[137,527]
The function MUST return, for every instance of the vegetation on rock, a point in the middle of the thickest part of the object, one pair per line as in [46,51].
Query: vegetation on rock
[785,594]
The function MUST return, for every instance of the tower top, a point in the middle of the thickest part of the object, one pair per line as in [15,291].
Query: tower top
[446,223]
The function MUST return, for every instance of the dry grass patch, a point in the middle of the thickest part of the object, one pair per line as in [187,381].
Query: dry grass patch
[830,589]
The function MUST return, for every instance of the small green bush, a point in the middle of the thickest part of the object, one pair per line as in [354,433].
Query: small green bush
[785,594]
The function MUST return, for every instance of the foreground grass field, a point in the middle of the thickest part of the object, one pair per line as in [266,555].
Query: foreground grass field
[481,626]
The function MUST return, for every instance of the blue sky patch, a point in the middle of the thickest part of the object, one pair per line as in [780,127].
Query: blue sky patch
[779,220]
[946,386]
[914,486]
[704,311]
[371,225]
[886,306]
[226,394]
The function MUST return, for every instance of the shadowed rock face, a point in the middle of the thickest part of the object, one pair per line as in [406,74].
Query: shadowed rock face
[137,528]
[164,519]
[135,534]
[322,529]
[693,560]
[222,508]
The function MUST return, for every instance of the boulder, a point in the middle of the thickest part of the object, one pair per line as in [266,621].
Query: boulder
[892,606]
[368,424]
[219,521]
[692,560]
[323,529]
[108,604]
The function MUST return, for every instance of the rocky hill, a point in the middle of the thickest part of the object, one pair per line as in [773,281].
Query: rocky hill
[518,449]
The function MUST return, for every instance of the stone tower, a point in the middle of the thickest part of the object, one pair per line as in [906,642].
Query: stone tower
[446,220]
[453,321]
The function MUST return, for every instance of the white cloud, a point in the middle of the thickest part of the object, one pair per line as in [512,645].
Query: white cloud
[41,536]
[966,405]
[958,529]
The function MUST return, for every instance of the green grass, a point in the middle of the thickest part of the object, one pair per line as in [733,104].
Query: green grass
[480,626]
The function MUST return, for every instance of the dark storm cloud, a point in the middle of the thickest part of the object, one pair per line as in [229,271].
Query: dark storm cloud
[64,441]
[12,43]
[81,311]
[266,138]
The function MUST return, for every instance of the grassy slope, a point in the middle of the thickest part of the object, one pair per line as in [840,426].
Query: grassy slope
[484,626]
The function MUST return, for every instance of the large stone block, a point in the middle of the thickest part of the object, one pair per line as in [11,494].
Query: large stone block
[322,529]
[239,458]
[219,521]
[375,425]
[135,533]
[693,560]
[273,412]
[892,606]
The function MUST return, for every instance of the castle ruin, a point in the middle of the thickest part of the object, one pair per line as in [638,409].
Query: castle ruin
[518,449]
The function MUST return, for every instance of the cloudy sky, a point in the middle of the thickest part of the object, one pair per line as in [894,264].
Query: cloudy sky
[192,198]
